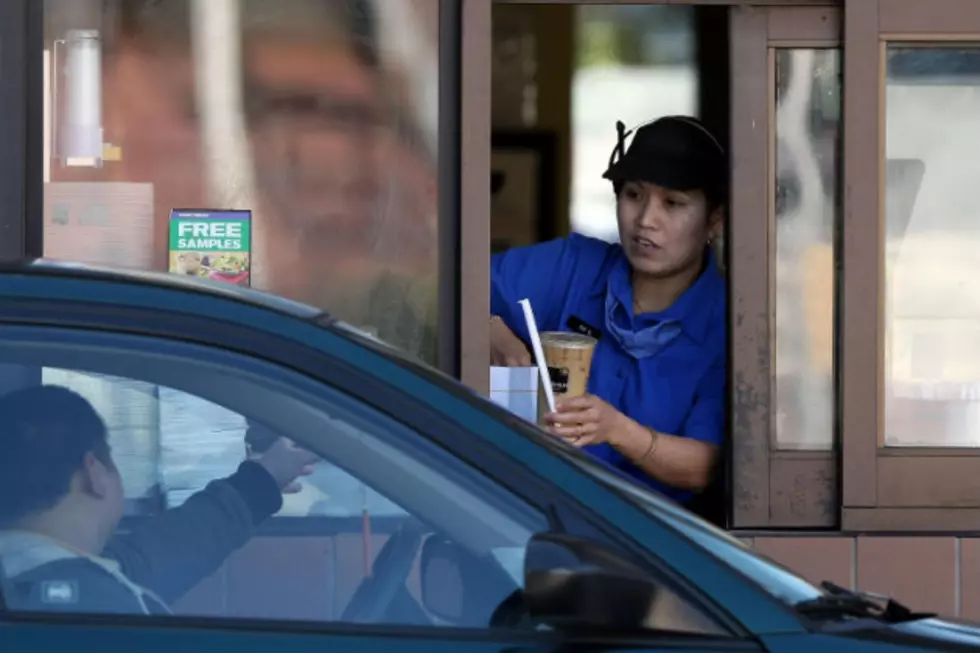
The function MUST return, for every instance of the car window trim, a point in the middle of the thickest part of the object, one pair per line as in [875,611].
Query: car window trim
[256,625]
[514,637]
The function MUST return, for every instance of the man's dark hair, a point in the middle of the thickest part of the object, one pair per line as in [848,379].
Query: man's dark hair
[45,432]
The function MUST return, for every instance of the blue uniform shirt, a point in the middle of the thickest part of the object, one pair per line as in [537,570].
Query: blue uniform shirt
[680,390]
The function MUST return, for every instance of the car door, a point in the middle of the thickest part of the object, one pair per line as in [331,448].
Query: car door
[339,567]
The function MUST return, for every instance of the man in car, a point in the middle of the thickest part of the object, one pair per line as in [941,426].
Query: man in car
[61,501]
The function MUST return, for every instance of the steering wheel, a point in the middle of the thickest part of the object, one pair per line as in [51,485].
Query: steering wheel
[389,573]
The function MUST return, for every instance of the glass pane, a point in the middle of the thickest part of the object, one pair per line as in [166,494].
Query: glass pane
[319,116]
[169,444]
[641,61]
[807,209]
[932,237]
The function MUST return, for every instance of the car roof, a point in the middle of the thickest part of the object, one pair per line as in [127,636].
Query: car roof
[168,281]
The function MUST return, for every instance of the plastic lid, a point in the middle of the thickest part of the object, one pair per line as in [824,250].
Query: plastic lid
[567,339]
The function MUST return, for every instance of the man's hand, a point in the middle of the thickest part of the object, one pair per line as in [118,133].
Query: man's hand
[585,420]
[286,463]
[506,349]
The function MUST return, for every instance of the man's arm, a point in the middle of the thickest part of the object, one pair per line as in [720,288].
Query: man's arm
[171,553]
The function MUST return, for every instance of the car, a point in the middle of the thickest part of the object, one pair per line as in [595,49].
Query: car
[436,521]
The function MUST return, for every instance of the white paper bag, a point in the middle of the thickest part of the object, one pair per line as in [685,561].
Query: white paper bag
[516,389]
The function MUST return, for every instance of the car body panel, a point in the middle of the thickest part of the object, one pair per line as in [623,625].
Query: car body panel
[298,337]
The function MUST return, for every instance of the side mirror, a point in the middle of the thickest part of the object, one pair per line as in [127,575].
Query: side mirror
[572,583]
[457,586]
[441,579]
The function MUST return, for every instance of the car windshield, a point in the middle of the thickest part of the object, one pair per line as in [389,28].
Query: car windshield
[770,576]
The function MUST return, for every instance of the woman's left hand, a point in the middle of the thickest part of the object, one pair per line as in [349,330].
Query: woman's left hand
[585,420]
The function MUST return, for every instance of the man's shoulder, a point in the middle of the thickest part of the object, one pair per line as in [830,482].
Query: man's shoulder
[69,585]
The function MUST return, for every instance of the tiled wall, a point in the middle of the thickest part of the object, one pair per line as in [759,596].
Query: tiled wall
[300,577]
[930,573]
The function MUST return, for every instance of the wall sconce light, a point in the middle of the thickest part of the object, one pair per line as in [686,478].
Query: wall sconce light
[78,116]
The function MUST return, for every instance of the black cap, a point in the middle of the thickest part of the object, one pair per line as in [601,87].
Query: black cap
[676,152]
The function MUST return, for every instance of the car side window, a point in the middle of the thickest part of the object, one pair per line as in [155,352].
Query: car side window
[352,542]
[169,444]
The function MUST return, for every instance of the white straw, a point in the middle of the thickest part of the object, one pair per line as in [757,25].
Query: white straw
[532,329]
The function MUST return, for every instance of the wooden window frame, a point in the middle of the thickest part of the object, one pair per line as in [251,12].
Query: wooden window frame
[22,129]
[707,3]
[769,488]
[474,238]
[920,489]
[772,488]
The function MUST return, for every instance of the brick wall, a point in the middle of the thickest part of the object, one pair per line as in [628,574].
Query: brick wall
[310,576]
[934,573]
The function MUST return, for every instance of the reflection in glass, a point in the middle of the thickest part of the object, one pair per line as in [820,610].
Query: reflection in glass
[807,209]
[932,248]
[514,69]
[319,115]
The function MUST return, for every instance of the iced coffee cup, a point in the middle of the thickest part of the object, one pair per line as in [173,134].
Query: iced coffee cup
[569,359]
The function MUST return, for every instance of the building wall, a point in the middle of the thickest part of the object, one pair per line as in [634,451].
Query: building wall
[927,573]
[936,574]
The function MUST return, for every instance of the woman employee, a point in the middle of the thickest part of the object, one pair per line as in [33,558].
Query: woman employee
[655,301]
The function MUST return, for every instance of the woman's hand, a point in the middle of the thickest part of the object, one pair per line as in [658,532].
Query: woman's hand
[586,420]
[506,349]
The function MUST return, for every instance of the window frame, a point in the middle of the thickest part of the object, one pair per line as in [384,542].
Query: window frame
[772,488]
[21,129]
[877,482]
